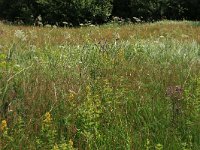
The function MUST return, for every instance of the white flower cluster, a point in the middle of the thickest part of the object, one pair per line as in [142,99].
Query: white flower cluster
[20,34]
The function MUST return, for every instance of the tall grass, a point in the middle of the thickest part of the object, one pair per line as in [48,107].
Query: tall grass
[100,88]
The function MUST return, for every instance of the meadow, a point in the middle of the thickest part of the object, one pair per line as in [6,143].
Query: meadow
[109,87]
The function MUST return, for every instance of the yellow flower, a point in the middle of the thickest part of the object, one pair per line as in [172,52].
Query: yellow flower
[88,89]
[55,147]
[47,118]
[3,64]
[106,81]
[71,96]
[3,125]
[121,54]
[71,143]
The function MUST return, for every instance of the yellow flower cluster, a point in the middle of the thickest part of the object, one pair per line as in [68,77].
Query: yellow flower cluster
[71,96]
[3,125]
[71,143]
[55,147]
[47,118]
[88,89]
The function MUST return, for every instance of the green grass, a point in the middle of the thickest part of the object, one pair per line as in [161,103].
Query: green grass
[93,91]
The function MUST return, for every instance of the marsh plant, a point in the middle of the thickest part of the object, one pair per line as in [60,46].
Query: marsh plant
[107,87]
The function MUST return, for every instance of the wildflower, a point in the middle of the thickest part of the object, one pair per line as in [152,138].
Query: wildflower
[184,36]
[148,142]
[121,54]
[3,64]
[161,36]
[47,118]
[55,147]
[117,36]
[33,48]
[106,81]
[20,34]
[71,143]
[48,26]
[71,96]
[88,89]
[147,145]
[3,125]
[61,46]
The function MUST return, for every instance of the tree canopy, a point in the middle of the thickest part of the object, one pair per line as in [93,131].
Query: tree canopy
[97,11]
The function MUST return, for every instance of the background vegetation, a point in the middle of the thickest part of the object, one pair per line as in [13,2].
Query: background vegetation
[75,12]
[104,87]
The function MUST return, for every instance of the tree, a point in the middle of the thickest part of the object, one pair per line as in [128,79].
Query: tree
[75,11]
[192,9]
[97,11]
[16,10]
[121,8]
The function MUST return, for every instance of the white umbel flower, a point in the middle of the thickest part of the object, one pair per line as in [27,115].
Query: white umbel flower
[20,34]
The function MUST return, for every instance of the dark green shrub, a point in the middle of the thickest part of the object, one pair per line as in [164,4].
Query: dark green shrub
[75,11]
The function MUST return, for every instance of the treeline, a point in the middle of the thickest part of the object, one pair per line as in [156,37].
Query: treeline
[75,12]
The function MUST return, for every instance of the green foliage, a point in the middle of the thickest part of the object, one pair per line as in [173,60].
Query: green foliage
[157,9]
[76,12]
[21,10]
